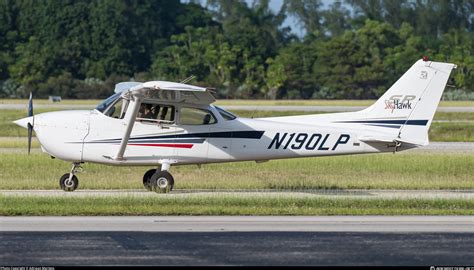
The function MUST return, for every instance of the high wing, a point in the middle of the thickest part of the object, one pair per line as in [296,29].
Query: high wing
[168,92]
[123,86]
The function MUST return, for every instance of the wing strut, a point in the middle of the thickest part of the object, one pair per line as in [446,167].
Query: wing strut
[137,99]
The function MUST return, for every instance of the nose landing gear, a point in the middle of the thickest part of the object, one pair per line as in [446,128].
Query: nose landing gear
[69,181]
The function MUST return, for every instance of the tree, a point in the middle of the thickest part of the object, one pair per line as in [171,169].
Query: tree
[275,77]
[352,49]
[255,34]
[458,48]
[296,80]
[308,13]
[202,52]
[352,65]
[335,19]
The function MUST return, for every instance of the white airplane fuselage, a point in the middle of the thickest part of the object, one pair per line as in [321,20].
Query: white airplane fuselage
[161,123]
[90,136]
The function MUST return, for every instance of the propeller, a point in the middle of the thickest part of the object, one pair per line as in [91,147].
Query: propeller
[30,125]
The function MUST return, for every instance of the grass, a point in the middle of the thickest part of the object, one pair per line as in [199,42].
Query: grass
[455,131]
[452,132]
[454,116]
[227,205]
[8,128]
[377,171]
[312,102]
[18,142]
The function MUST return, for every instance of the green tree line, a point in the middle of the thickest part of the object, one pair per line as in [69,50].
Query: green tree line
[350,49]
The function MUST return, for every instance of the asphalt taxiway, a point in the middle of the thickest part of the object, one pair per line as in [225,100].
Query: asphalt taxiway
[368,240]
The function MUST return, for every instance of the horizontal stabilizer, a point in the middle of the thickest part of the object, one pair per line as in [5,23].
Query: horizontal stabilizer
[389,140]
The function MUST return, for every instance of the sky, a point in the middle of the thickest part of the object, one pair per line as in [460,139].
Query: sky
[275,5]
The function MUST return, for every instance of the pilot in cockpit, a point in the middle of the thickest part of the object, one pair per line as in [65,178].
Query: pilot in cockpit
[148,111]
[206,119]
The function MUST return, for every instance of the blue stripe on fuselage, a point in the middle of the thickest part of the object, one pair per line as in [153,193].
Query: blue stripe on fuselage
[395,122]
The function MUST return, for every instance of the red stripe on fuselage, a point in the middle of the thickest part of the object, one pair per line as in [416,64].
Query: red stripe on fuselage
[174,145]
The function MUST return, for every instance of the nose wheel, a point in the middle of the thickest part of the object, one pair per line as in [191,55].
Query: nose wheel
[68,184]
[69,181]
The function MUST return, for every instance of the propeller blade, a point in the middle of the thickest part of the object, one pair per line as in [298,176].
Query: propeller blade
[30,125]
[30,105]
[30,133]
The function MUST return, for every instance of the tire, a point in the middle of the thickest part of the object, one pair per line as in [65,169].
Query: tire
[162,182]
[146,179]
[63,182]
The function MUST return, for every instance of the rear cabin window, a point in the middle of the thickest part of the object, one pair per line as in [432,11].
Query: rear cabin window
[156,113]
[194,116]
[225,114]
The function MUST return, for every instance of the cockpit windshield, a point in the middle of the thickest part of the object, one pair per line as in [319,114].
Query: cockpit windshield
[106,103]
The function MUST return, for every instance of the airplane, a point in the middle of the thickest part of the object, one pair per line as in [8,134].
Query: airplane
[162,124]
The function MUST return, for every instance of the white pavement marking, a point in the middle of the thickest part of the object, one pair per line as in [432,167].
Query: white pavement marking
[268,193]
[242,223]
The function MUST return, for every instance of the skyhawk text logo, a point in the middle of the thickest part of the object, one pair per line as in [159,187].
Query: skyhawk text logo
[399,102]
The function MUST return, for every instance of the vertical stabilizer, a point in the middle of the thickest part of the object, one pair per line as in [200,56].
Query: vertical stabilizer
[408,107]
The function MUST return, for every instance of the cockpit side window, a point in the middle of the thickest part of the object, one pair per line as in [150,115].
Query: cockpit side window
[117,109]
[194,116]
[150,112]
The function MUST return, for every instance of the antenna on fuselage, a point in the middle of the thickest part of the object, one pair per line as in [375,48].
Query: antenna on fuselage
[188,79]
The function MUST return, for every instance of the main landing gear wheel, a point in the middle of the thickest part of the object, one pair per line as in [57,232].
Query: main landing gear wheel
[146,179]
[162,182]
[68,184]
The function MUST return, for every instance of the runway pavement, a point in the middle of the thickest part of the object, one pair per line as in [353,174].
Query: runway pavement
[240,107]
[339,240]
[242,223]
[448,147]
